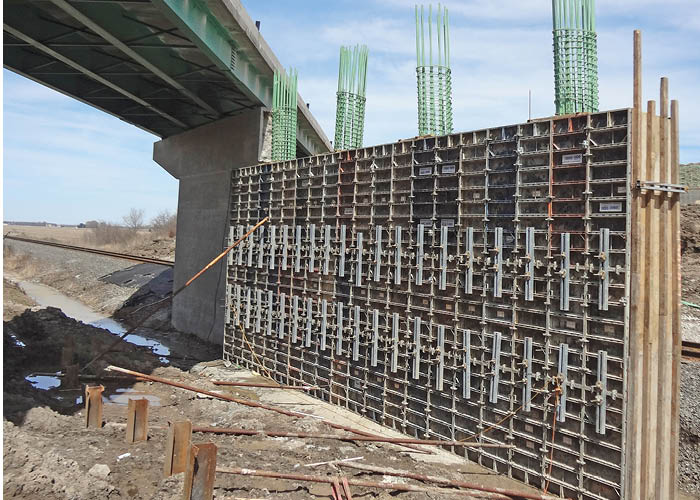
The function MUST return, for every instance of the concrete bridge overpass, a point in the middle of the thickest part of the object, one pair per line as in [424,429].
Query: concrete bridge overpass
[197,74]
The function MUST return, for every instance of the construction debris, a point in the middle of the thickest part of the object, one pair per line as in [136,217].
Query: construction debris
[99,470]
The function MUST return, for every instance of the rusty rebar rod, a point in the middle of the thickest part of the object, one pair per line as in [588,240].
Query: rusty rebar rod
[265,386]
[164,301]
[358,482]
[444,481]
[372,439]
[245,402]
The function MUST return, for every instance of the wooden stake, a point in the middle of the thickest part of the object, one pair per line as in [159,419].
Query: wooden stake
[636,311]
[676,335]
[177,447]
[93,406]
[651,324]
[137,421]
[201,469]
[637,91]
[665,348]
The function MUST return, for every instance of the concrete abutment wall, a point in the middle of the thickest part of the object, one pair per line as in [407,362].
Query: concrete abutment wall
[202,160]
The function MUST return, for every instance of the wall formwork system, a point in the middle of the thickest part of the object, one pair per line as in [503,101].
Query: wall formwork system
[514,285]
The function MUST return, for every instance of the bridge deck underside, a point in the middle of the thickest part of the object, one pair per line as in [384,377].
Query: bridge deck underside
[128,59]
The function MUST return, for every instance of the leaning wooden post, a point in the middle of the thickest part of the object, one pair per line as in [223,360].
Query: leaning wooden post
[201,469]
[177,448]
[93,405]
[137,421]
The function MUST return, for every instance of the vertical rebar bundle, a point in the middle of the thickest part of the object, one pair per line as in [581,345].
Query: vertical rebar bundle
[350,109]
[434,76]
[284,115]
[575,56]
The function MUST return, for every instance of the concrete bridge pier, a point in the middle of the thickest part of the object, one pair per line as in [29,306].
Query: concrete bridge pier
[202,160]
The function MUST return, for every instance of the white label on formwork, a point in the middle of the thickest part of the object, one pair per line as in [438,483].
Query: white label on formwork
[425,171]
[448,169]
[572,159]
[448,223]
[348,211]
[621,189]
[611,207]
[426,222]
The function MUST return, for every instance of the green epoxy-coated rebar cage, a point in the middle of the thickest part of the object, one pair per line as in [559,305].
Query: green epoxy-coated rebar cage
[434,76]
[284,116]
[350,109]
[575,56]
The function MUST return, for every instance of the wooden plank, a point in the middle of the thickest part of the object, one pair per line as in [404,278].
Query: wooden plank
[93,406]
[177,448]
[137,421]
[651,313]
[200,473]
[663,415]
[676,333]
[632,471]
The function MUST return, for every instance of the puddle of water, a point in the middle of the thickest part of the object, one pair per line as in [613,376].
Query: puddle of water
[119,329]
[123,395]
[46,296]
[44,382]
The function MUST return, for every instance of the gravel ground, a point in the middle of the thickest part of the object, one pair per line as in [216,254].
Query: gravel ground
[689,459]
[690,324]
[74,273]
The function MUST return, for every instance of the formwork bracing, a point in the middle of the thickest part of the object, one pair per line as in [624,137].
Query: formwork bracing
[350,108]
[575,56]
[433,74]
[512,285]
[284,115]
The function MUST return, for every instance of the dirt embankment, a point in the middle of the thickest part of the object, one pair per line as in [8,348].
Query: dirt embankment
[15,301]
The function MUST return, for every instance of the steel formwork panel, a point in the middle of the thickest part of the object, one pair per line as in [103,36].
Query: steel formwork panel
[469,286]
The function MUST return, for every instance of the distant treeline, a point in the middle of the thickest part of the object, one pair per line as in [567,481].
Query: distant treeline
[43,224]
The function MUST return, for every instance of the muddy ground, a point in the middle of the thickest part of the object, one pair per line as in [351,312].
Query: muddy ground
[48,452]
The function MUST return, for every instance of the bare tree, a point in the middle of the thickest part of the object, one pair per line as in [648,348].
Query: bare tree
[165,223]
[134,219]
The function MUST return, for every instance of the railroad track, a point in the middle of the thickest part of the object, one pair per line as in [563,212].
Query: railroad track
[117,255]
[690,350]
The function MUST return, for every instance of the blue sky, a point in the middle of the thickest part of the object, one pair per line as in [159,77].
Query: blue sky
[66,162]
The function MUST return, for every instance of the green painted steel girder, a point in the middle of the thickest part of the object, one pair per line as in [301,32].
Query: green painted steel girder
[201,26]
[195,19]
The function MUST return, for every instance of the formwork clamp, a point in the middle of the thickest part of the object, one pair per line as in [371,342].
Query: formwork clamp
[660,186]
